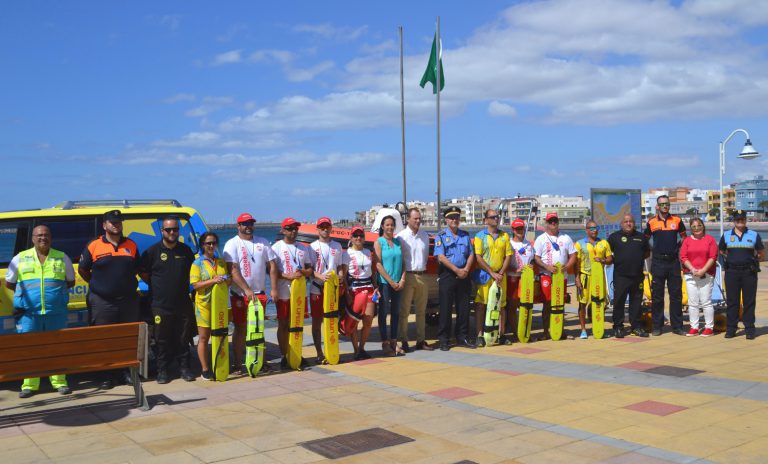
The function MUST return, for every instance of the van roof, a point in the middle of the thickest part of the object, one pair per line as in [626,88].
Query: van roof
[99,207]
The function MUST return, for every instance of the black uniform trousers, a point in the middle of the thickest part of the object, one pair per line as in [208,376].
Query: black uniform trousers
[738,283]
[666,270]
[624,286]
[453,292]
[173,335]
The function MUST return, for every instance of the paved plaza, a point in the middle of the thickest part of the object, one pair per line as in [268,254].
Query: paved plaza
[632,400]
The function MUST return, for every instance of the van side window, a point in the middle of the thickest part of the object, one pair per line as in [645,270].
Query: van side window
[14,238]
[71,236]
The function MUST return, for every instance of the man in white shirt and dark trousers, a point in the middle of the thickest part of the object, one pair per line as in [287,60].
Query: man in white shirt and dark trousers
[415,243]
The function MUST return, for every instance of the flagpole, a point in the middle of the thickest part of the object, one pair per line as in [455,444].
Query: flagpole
[439,77]
[402,113]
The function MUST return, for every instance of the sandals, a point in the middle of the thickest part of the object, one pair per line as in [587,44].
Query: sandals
[399,351]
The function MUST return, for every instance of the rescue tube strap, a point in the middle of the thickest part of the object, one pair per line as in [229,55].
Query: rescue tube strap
[296,329]
[351,313]
[490,328]
[331,314]
[527,305]
[222,332]
[255,342]
[561,310]
[598,300]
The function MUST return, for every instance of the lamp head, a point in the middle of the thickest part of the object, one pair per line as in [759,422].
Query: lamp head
[748,152]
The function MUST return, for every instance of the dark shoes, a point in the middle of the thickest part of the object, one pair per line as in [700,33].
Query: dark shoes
[65,390]
[106,385]
[656,332]
[464,343]
[186,375]
[639,333]
[162,377]
[445,347]
[678,331]
[730,333]
[480,343]
[750,335]
[362,355]
[424,346]
[618,332]
[126,377]
[26,393]
[407,348]
[504,340]
[207,375]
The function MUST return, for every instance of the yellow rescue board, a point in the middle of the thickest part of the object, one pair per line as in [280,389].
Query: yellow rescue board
[296,328]
[220,331]
[331,318]
[525,317]
[558,303]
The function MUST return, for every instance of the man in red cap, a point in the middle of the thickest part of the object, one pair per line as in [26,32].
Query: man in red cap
[247,257]
[550,248]
[522,255]
[328,256]
[293,262]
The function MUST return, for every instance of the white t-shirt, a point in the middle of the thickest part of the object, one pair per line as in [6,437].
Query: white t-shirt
[416,247]
[13,270]
[251,257]
[522,254]
[358,263]
[290,258]
[544,248]
[327,257]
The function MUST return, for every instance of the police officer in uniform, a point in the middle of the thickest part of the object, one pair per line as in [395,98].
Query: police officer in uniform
[665,228]
[630,249]
[453,250]
[743,249]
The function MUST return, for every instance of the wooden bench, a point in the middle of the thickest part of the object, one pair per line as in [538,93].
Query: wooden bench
[71,351]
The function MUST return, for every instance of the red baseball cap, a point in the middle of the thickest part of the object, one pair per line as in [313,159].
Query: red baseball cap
[324,220]
[551,215]
[518,223]
[357,229]
[245,217]
[288,222]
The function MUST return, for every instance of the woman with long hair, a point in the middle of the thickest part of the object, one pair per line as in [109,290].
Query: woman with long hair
[361,294]
[389,256]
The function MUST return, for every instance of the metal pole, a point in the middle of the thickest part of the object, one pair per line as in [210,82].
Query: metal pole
[722,171]
[439,60]
[402,113]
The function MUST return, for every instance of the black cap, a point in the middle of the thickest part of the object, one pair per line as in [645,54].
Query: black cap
[739,214]
[452,210]
[113,216]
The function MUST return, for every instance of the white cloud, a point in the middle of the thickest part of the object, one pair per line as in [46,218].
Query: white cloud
[209,105]
[750,12]
[309,192]
[671,161]
[179,97]
[522,168]
[497,108]
[232,56]
[307,74]
[328,31]
[213,140]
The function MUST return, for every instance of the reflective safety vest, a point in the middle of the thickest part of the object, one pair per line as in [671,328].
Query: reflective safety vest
[41,289]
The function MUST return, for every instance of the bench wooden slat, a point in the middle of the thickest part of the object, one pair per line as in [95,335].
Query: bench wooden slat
[102,332]
[9,376]
[71,363]
[32,353]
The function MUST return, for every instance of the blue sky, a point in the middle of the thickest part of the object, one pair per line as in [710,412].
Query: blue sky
[293,108]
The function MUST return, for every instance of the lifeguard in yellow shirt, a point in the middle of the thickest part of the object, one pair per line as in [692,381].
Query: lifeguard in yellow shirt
[493,252]
[585,253]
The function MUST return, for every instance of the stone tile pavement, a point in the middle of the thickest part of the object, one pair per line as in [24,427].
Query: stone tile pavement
[573,401]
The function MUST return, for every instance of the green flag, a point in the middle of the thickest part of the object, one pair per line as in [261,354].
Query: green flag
[430,75]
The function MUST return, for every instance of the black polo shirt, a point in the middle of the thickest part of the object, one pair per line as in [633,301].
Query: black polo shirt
[628,253]
[113,268]
[168,270]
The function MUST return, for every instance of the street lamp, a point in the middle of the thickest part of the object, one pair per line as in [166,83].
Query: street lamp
[747,153]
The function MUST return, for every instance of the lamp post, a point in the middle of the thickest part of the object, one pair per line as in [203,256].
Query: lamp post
[747,153]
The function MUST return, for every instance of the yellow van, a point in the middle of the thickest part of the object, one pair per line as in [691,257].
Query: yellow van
[75,223]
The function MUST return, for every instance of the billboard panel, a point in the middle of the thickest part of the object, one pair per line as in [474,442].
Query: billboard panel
[610,205]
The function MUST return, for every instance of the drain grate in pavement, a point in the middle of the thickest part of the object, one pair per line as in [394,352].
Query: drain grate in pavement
[673,371]
[349,444]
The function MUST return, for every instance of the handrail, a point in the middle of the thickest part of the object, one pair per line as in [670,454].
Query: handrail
[126,203]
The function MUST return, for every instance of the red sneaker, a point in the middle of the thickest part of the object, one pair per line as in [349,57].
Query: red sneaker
[707,333]
[693,332]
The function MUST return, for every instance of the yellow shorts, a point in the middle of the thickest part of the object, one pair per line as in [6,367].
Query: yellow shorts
[585,297]
[482,292]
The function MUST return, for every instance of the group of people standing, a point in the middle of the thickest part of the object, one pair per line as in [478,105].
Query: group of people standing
[392,276]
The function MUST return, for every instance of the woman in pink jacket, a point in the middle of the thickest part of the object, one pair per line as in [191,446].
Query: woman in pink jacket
[698,254]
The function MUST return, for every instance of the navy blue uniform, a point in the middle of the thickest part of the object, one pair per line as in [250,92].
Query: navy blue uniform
[453,291]
[741,268]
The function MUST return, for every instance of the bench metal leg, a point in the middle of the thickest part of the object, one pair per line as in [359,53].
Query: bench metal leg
[141,398]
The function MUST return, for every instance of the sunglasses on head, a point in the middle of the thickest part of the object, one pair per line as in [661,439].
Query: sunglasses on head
[171,229]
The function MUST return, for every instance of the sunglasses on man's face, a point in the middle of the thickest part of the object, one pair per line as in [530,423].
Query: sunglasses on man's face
[663,205]
[553,221]
[291,229]
[591,228]
[492,217]
[169,230]
[210,243]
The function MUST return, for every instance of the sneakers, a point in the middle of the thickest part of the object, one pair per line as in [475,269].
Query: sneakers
[206,375]
[692,333]
[707,333]
[362,355]
[162,377]
[618,332]
[186,375]
[65,390]
[480,343]
[504,340]
[583,335]
[26,393]
[656,332]
[639,333]
[678,331]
